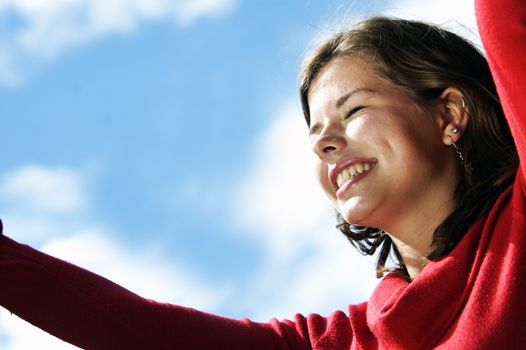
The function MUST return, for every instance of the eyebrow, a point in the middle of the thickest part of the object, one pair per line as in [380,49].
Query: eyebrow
[345,97]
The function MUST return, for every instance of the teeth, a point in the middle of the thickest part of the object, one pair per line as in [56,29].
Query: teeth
[346,174]
[352,171]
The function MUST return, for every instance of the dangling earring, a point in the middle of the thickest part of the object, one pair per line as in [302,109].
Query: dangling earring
[467,165]
[460,153]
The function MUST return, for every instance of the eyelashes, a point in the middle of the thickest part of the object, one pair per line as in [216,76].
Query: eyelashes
[354,111]
[315,129]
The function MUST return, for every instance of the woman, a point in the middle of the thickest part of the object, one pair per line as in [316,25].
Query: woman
[413,150]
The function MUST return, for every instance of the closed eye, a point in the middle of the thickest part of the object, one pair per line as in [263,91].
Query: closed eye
[353,111]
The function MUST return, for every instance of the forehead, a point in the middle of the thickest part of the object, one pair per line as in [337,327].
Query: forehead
[340,80]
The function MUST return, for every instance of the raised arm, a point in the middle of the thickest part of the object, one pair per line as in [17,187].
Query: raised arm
[502,26]
[93,313]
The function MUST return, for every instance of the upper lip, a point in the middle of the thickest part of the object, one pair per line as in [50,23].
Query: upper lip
[345,163]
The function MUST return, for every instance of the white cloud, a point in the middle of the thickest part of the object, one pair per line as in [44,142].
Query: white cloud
[48,190]
[45,29]
[40,202]
[188,11]
[140,271]
[280,198]
[331,278]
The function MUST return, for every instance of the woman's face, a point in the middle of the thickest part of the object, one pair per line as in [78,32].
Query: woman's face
[381,156]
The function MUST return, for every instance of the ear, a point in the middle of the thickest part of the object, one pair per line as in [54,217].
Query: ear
[454,115]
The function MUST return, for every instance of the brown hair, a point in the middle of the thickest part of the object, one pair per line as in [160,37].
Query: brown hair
[424,60]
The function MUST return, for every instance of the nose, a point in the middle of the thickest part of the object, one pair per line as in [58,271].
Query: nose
[329,145]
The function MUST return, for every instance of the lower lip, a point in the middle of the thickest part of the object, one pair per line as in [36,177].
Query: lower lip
[341,191]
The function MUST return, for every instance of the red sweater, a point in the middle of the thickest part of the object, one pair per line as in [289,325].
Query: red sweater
[474,298]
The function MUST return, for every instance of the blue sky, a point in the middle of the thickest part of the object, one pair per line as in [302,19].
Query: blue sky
[161,144]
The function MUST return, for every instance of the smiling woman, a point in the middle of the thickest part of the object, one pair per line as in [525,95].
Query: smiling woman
[415,152]
[406,110]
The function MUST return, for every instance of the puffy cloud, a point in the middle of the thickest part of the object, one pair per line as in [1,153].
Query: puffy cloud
[44,29]
[40,189]
[142,271]
[40,202]
[188,11]
[279,197]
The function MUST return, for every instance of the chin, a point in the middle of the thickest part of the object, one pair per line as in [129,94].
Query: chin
[357,214]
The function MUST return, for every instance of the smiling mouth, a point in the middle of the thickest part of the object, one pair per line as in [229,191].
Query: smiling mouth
[351,172]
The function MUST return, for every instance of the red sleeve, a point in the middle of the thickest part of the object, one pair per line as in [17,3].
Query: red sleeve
[502,26]
[94,313]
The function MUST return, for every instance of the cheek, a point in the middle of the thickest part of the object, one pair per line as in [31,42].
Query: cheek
[322,174]
[360,128]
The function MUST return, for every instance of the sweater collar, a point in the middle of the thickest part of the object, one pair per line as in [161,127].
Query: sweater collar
[415,315]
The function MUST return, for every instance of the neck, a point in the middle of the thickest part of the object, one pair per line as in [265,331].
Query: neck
[414,258]
[414,237]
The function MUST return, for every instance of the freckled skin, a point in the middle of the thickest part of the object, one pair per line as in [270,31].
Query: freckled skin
[415,174]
